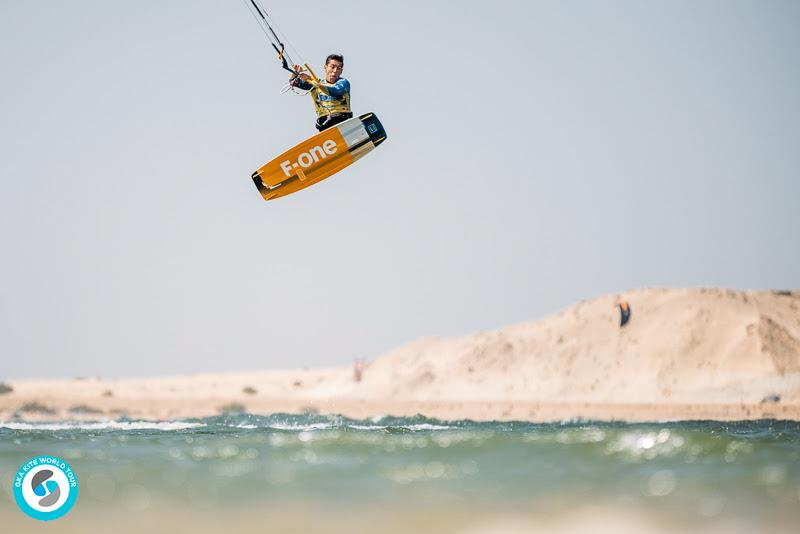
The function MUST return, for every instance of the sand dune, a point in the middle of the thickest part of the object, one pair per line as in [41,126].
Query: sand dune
[693,353]
[680,346]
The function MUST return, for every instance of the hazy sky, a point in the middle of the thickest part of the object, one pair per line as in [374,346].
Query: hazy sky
[539,153]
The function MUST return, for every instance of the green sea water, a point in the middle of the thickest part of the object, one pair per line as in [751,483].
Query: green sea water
[321,473]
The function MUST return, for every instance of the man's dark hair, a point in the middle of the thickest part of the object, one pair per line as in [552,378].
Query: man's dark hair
[337,57]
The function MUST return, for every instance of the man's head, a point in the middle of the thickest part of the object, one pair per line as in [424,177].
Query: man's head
[334,64]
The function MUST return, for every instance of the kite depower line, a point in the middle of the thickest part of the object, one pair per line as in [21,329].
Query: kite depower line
[262,17]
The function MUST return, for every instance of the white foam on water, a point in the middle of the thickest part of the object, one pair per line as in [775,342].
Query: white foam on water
[302,428]
[425,426]
[102,425]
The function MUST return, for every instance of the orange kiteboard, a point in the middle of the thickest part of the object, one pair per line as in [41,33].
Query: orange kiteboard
[319,157]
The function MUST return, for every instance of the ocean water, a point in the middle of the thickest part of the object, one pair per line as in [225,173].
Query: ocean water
[310,473]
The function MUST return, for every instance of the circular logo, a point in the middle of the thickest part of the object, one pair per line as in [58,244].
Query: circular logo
[45,487]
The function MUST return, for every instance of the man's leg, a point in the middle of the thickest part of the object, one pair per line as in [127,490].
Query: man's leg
[323,123]
[338,118]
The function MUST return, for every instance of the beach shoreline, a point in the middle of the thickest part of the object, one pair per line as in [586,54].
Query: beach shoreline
[83,400]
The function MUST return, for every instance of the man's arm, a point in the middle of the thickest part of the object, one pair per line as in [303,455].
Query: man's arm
[300,83]
[300,79]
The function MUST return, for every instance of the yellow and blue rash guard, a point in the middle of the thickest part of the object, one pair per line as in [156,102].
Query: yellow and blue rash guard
[329,98]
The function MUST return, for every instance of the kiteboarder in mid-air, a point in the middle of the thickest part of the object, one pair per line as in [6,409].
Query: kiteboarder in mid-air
[331,96]
[342,138]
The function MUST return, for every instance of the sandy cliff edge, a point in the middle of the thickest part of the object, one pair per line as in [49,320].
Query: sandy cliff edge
[685,354]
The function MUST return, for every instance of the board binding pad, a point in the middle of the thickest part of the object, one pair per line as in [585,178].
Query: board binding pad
[319,157]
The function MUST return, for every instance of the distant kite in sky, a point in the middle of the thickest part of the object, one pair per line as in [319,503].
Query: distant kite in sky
[624,313]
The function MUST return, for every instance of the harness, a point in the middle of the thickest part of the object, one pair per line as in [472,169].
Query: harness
[325,104]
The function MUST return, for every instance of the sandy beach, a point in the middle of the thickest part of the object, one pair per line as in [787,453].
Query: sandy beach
[685,354]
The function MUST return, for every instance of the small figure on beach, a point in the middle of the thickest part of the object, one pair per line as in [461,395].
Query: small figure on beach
[358,369]
[624,312]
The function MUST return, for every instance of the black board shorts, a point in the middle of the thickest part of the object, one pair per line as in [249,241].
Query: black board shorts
[323,123]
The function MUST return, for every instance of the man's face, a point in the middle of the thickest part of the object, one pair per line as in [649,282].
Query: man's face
[333,69]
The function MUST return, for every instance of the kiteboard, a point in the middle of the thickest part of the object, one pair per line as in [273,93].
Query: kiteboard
[319,157]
